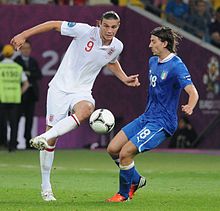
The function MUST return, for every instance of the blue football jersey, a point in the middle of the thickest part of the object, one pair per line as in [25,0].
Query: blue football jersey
[166,80]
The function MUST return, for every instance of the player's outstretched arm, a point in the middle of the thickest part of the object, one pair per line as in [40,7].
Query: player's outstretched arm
[18,40]
[131,80]
[192,101]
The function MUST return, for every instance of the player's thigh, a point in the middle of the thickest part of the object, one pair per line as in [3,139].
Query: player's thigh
[57,106]
[82,104]
[132,128]
[116,144]
[123,136]
[149,137]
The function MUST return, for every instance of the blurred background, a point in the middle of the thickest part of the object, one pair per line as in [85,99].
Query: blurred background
[198,21]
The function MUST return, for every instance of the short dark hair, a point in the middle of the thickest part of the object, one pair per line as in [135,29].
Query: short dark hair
[167,34]
[110,15]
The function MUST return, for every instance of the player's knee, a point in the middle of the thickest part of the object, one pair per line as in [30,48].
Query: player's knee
[125,159]
[124,154]
[52,142]
[112,150]
[90,109]
[85,112]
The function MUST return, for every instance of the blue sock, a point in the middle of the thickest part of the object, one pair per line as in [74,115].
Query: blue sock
[136,176]
[125,180]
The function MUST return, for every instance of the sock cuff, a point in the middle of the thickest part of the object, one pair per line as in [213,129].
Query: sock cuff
[126,167]
[50,148]
[76,119]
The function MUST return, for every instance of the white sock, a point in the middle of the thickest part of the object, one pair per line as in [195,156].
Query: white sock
[126,167]
[62,127]
[46,162]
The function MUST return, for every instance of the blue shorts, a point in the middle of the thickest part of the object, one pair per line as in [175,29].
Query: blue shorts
[145,136]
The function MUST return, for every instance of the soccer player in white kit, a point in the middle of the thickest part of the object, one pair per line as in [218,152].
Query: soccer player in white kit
[70,90]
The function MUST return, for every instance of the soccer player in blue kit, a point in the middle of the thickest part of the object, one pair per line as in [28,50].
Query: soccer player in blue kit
[168,75]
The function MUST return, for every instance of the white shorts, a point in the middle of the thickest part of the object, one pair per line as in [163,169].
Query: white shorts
[60,103]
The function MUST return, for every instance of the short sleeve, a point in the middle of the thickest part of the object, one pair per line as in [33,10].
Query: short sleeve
[73,29]
[183,75]
[120,48]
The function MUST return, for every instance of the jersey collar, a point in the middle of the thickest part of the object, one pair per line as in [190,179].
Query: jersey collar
[168,58]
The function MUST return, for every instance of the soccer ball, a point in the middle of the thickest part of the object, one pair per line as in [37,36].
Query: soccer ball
[102,121]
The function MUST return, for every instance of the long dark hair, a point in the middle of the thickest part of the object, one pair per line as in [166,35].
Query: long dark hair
[167,34]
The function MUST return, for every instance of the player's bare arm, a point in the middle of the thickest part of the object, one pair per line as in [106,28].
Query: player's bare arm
[193,99]
[116,69]
[18,40]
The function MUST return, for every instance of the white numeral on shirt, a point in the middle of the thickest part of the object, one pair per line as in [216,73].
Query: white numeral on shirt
[153,80]
[143,134]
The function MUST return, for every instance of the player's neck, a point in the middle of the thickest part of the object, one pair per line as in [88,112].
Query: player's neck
[106,42]
[163,55]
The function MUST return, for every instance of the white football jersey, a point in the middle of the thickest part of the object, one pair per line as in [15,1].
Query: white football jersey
[84,57]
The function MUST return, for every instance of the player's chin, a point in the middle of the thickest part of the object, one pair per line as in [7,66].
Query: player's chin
[109,38]
[155,53]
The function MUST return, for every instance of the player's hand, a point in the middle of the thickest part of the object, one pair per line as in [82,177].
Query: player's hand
[187,109]
[132,80]
[17,41]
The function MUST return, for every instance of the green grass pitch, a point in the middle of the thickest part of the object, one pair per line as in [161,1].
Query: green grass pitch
[83,179]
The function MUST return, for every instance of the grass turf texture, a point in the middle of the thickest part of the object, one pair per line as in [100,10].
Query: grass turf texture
[83,179]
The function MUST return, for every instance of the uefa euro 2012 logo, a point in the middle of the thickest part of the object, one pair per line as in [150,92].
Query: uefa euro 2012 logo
[211,77]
